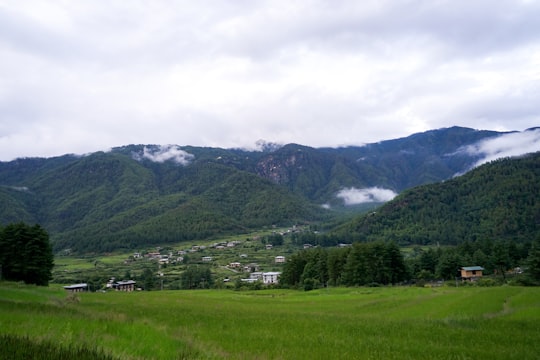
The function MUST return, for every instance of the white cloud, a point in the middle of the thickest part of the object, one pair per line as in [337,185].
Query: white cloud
[161,154]
[507,145]
[353,196]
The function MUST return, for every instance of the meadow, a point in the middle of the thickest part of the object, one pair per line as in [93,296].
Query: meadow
[336,323]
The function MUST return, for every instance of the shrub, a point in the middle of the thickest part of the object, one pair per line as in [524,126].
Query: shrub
[486,282]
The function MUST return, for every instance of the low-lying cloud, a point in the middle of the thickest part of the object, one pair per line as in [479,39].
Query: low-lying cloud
[162,153]
[507,145]
[353,196]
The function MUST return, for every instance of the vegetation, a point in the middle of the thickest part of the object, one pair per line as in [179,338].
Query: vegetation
[497,201]
[125,199]
[384,323]
[24,348]
[25,254]
[362,264]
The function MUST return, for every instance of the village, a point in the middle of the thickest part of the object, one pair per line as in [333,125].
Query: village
[252,260]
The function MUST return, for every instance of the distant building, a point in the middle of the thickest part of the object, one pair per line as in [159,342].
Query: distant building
[256,275]
[125,285]
[279,259]
[270,277]
[251,267]
[76,287]
[207,258]
[471,273]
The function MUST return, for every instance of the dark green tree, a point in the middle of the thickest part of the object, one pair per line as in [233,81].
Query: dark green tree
[448,265]
[533,261]
[148,279]
[26,254]
[196,277]
[500,258]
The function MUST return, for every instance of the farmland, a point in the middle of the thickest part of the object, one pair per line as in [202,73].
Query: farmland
[338,323]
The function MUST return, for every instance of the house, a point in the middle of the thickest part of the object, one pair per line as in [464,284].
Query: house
[270,277]
[471,273]
[206,258]
[251,267]
[124,285]
[269,246]
[76,288]
[235,265]
[279,259]
[256,275]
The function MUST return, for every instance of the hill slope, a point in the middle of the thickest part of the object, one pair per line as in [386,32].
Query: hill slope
[499,200]
[106,201]
[150,194]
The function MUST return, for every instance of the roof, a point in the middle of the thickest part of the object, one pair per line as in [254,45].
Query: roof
[472,268]
[128,282]
[75,286]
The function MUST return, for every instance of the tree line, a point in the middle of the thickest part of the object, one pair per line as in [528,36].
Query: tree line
[360,264]
[383,262]
[25,254]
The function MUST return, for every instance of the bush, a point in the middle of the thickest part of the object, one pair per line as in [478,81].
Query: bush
[486,282]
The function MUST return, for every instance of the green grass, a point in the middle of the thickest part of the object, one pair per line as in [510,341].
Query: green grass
[338,323]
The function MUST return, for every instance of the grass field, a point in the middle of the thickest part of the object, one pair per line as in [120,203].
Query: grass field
[338,323]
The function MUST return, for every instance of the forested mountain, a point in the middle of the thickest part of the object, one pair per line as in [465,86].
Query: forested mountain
[499,200]
[139,195]
[106,201]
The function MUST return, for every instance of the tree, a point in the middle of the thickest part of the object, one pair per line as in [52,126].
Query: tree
[148,279]
[501,258]
[196,277]
[26,254]
[533,261]
[448,265]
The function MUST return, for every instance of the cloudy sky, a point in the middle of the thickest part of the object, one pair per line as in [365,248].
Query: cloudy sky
[81,76]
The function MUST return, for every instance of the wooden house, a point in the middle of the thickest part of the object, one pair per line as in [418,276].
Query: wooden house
[471,273]
[126,285]
[76,287]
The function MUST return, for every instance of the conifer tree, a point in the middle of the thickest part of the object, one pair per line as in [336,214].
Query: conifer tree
[26,254]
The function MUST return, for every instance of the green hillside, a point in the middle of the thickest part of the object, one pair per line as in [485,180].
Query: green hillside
[499,200]
[150,194]
[108,201]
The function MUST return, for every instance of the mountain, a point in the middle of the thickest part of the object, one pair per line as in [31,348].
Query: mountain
[106,201]
[139,195]
[498,200]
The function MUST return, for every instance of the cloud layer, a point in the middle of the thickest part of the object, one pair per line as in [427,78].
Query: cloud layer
[353,196]
[507,145]
[83,76]
[162,153]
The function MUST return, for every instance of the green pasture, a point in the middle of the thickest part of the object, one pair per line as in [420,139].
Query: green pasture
[337,323]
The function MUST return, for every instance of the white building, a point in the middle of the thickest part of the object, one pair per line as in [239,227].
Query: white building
[271,277]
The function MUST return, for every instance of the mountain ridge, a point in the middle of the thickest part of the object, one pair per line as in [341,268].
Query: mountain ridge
[149,194]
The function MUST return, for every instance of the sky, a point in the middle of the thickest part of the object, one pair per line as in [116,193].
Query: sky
[81,76]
